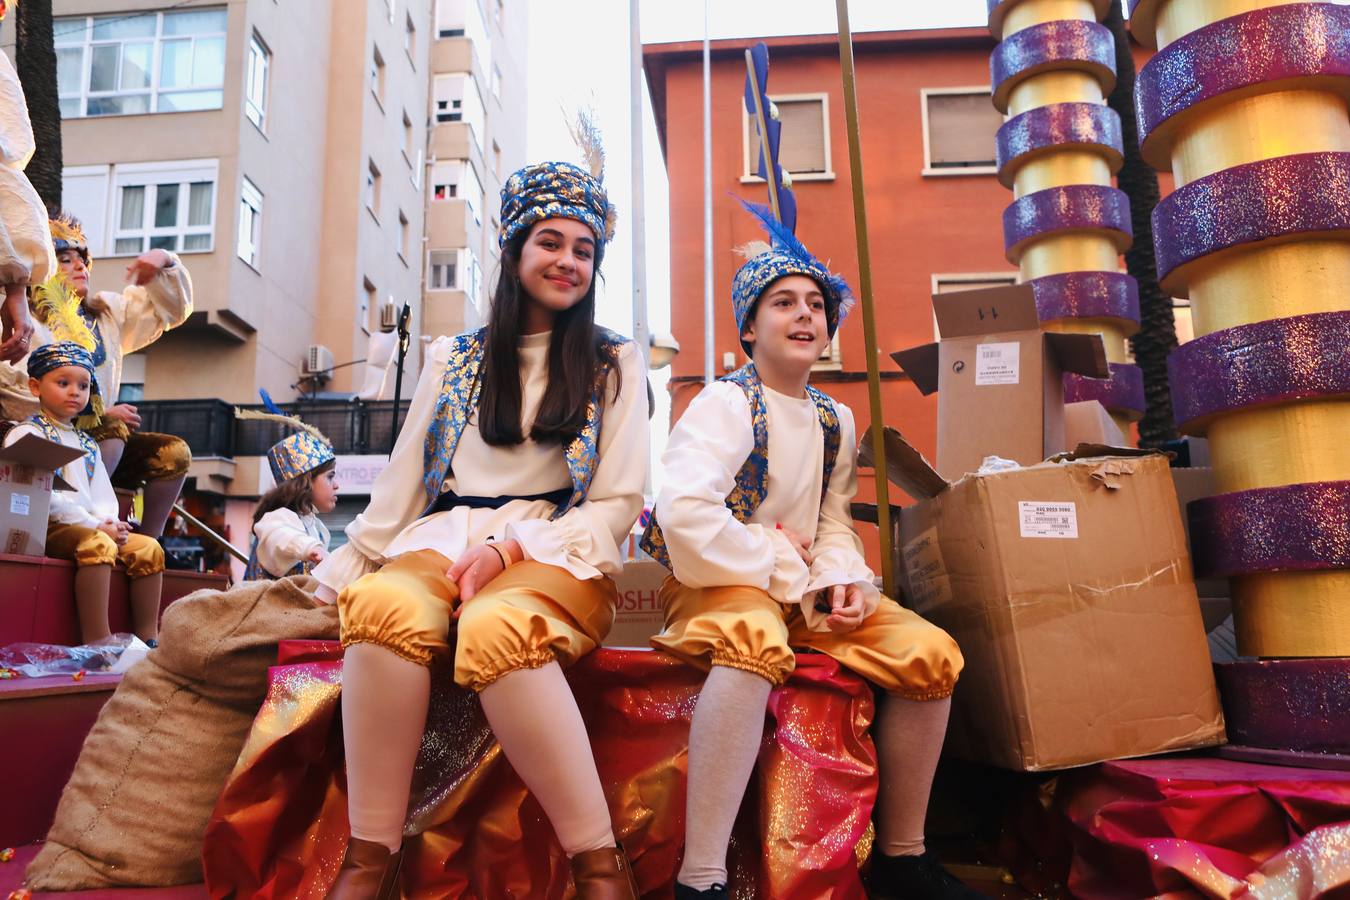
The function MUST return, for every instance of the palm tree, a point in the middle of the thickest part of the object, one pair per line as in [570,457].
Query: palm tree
[1157,335]
[36,58]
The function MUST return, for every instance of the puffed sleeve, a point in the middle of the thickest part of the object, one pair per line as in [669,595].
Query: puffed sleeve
[708,546]
[26,255]
[283,541]
[586,539]
[836,553]
[397,497]
[145,312]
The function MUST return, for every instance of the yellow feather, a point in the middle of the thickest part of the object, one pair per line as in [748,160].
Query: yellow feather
[57,306]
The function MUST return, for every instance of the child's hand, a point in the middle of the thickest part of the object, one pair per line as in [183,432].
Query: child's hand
[116,530]
[800,544]
[474,569]
[848,607]
[316,555]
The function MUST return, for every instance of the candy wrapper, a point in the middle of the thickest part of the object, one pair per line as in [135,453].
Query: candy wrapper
[39,660]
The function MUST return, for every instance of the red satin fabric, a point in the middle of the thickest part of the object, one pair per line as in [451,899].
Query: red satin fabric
[280,827]
[1207,828]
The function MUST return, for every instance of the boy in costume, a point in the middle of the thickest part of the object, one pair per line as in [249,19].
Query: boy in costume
[754,524]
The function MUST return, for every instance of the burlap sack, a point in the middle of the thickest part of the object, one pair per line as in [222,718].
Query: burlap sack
[149,773]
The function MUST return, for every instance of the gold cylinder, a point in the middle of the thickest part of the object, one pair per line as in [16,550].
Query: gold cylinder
[1055,86]
[1059,168]
[1038,12]
[1284,614]
[1113,336]
[1056,253]
[1277,614]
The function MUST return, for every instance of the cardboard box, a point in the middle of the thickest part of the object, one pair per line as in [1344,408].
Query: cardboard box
[1068,587]
[639,615]
[28,476]
[999,377]
[1088,422]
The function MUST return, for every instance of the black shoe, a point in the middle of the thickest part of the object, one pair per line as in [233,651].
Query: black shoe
[716,892]
[914,878]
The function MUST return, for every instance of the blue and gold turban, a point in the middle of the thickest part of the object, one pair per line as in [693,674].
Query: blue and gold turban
[297,455]
[67,234]
[784,256]
[49,357]
[551,190]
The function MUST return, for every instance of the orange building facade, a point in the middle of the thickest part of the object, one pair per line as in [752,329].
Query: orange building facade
[934,205]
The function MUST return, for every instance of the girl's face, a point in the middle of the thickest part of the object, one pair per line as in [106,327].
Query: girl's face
[789,324]
[325,491]
[557,263]
[76,272]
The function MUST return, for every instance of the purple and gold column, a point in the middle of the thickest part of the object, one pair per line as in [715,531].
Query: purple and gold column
[1246,103]
[1067,224]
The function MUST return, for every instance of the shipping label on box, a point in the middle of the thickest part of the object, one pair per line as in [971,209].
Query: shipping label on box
[1039,519]
[997,363]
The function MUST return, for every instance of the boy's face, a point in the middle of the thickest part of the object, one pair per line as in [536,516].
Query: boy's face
[63,392]
[789,326]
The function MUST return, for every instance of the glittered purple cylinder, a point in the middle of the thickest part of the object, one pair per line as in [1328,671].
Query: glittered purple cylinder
[1072,207]
[1293,528]
[1287,704]
[1063,44]
[1275,361]
[997,9]
[1263,47]
[1086,295]
[1056,127]
[1122,393]
[1302,194]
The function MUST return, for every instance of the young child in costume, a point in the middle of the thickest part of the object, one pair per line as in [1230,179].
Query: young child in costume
[25,246]
[288,538]
[514,481]
[158,298]
[83,525]
[754,523]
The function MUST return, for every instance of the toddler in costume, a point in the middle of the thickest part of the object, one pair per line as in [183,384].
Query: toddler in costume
[83,524]
[754,524]
[288,537]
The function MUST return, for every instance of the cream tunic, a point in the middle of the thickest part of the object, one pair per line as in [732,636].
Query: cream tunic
[25,243]
[286,538]
[128,321]
[585,541]
[92,502]
[710,548]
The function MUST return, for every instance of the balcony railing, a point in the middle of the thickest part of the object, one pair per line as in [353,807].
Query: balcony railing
[211,429]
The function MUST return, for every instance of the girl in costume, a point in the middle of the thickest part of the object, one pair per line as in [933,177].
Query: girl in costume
[516,477]
[288,538]
[756,529]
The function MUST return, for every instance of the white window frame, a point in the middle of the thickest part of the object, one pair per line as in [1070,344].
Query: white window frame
[67,36]
[940,278]
[181,172]
[409,135]
[377,75]
[257,68]
[748,127]
[832,359]
[948,171]
[410,38]
[404,235]
[248,247]
[440,176]
[453,283]
[371,194]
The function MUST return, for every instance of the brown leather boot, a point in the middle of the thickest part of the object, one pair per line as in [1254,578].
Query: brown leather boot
[369,872]
[604,875]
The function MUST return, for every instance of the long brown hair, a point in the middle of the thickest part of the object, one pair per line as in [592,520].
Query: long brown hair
[296,494]
[578,357]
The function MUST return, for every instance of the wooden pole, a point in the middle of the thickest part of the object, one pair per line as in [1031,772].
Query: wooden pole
[761,121]
[865,287]
[206,529]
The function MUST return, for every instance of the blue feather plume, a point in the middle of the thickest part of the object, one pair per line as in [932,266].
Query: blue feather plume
[269,404]
[768,167]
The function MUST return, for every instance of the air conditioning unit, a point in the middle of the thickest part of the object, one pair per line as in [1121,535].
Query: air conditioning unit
[388,315]
[318,360]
